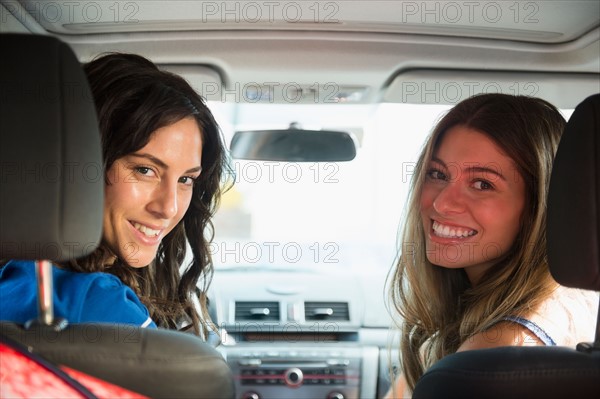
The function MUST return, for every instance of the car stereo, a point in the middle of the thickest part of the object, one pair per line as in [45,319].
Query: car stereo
[277,371]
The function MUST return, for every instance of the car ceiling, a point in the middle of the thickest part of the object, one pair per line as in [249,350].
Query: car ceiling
[369,45]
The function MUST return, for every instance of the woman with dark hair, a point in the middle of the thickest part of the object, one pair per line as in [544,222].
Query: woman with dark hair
[164,159]
[473,271]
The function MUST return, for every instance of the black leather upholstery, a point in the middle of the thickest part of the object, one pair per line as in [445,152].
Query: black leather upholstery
[513,372]
[157,363]
[573,246]
[51,203]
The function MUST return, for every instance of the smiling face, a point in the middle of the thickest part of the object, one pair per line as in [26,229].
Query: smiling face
[471,202]
[150,190]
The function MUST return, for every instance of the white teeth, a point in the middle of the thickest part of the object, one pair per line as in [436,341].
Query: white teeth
[146,230]
[447,232]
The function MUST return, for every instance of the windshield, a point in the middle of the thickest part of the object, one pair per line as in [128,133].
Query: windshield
[315,215]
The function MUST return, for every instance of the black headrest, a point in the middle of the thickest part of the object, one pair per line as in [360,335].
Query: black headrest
[52,179]
[574,201]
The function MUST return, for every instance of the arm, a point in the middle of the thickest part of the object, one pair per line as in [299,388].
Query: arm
[399,390]
[109,300]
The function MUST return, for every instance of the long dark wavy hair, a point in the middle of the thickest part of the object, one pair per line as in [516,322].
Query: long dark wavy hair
[439,308]
[133,99]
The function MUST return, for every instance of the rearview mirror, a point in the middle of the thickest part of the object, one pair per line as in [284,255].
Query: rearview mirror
[293,145]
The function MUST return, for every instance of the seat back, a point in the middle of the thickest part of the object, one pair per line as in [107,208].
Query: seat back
[573,233]
[51,207]
[574,201]
[52,177]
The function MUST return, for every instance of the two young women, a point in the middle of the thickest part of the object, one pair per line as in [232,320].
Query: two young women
[472,273]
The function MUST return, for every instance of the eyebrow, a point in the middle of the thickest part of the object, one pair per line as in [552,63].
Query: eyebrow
[160,163]
[473,169]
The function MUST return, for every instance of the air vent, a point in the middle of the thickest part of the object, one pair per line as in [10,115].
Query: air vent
[258,311]
[330,311]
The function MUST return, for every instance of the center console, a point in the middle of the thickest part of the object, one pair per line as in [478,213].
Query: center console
[276,371]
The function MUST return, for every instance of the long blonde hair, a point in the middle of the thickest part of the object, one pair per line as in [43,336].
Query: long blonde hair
[439,308]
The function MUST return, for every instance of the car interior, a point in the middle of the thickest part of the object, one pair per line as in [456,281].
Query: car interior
[324,106]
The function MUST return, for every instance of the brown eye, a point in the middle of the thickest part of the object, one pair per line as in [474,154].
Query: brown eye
[188,180]
[144,170]
[482,185]
[436,174]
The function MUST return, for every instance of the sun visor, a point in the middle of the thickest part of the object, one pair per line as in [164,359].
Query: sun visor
[204,79]
[432,86]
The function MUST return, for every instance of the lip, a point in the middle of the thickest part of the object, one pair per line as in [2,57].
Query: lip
[445,240]
[144,239]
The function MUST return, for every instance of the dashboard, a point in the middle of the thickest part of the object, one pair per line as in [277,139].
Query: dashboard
[303,334]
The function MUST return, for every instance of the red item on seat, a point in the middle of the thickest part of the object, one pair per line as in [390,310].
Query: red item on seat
[23,377]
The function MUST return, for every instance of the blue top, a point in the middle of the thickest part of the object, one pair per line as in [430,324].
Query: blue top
[534,328]
[78,297]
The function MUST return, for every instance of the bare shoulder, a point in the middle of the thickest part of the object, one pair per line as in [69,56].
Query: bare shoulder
[504,333]
[399,390]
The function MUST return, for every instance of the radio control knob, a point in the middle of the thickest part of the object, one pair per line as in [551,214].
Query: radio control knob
[293,377]
[336,395]
[250,395]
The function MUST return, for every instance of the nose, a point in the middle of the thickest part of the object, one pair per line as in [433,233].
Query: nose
[449,200]
[163,203]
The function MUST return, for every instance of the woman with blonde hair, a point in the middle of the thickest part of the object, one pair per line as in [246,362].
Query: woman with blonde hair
[473,270]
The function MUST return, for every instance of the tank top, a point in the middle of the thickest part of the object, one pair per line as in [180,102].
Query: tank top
[567,318]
